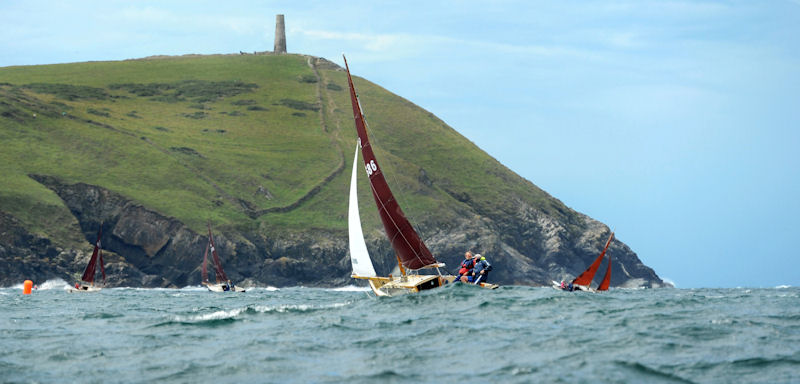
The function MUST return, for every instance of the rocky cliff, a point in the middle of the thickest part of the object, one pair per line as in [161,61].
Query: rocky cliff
[153,149]
[145,248]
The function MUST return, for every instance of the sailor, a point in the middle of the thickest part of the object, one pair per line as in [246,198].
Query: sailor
[480,272]
[466,266]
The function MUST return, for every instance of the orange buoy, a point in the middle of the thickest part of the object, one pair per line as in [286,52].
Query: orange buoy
[26,287]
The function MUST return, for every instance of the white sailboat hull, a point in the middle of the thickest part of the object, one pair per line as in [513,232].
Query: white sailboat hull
[84,288]
[222,288]
[402,285]
[557,285]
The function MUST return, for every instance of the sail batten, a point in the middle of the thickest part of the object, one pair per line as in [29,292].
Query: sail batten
[585,278]
[409,248]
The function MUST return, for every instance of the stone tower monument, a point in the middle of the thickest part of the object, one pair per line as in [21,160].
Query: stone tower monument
[280,35]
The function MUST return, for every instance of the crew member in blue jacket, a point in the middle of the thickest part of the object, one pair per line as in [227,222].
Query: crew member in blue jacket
[480,272]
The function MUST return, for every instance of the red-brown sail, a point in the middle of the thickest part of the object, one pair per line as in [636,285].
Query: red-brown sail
[91,268]
[586,277]
[220,273]
[410,250]
[607,278]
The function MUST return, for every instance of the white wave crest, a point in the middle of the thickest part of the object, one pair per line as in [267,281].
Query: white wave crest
[49,284]
[268,288]
[54,284]
[217,315]
[351,288]
[297,307]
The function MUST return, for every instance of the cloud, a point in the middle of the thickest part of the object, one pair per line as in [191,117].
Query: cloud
[394,45]
[372,42]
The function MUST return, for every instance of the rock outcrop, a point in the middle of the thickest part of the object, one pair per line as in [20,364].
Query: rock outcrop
[145,248]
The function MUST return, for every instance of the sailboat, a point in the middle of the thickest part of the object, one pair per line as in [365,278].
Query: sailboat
[223,284]
[584,280]
[411,252]
[87,280]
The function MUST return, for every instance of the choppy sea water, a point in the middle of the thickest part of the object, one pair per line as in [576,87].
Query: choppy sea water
[454,334]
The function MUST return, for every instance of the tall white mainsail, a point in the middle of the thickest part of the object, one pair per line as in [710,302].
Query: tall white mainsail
[359,256]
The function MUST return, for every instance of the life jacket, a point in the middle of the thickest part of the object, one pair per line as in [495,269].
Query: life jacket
[466,266]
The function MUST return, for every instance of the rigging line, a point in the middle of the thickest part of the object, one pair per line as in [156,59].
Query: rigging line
[393,176]
[400,232]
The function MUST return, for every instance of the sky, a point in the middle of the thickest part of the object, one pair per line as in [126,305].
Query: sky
[675,122]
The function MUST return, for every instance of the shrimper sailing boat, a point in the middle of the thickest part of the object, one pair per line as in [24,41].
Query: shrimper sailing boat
[87,280]
[412,254]
[223,284]
[584,280]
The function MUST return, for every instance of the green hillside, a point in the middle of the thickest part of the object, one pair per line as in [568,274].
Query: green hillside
[261,147]
[233,139]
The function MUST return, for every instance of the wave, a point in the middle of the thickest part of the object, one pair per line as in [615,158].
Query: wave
[54,284]
[230,315]
[299,308]
[267,288]
[645,373]
[351,288]
[217,315]
[212,319]
[47,285]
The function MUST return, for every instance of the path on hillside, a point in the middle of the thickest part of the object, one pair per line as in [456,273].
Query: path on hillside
[311,61]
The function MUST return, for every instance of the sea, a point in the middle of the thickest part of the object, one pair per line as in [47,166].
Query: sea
[456,334]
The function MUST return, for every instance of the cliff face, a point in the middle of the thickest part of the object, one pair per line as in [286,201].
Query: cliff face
[258,145]
[144,248]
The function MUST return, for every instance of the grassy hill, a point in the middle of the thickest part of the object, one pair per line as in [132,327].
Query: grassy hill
[258,144]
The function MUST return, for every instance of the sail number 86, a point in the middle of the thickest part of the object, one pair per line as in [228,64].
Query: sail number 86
[371,167]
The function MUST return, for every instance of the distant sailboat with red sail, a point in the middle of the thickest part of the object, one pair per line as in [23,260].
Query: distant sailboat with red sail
[411,252]
[222,284]
[87,279]
[584,280]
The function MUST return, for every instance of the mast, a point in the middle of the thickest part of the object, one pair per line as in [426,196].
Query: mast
[586,277]
[411,252]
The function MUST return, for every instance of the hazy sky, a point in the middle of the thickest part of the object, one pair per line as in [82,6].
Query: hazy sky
[675,122]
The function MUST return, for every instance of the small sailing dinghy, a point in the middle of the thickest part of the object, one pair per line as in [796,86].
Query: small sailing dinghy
[223,284]
[87,280]
[584,280]
[411,252]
